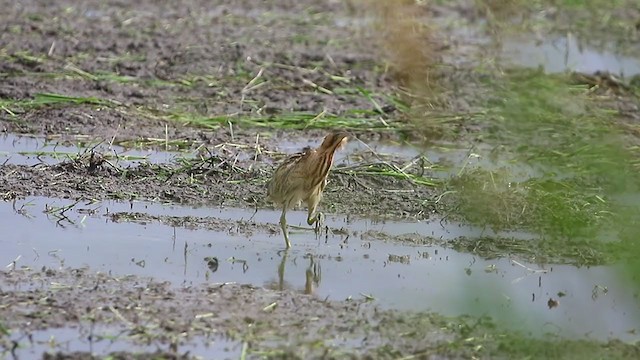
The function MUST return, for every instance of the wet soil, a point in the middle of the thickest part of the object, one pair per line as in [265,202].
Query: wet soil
[212,181]
[194,58]
[143,70]
[37,300]
[31,303]
[160,60]
[270,324]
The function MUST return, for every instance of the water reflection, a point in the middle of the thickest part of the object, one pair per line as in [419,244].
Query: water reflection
[312,275]
[101,341]
[397,275]
[27,150]
[558,54]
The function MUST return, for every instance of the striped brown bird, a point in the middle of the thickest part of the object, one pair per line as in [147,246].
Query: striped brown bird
[303,177]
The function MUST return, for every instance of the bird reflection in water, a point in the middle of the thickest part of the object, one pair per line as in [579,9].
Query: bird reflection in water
[313,275]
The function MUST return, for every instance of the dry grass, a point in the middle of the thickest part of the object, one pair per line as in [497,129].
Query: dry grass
[410,51]
[407,40]
[500,9]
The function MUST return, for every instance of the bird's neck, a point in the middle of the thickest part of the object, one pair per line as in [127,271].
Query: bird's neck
[330,149]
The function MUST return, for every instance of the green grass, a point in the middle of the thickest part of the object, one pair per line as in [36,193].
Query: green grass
[514,346]
[353,120]
[71,71]
[386,169]
[580,165]
[558,208]
[12,106]
[186,111]
[471,337]
[548,123]
[166,144]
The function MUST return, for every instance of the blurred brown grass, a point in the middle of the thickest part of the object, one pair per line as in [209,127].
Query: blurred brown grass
[412,50]
[406,40]
[500,9]
[409,48]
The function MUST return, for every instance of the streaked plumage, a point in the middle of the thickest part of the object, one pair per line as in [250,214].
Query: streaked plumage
[303,177]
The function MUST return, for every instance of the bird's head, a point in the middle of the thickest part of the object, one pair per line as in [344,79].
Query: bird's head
[334,141]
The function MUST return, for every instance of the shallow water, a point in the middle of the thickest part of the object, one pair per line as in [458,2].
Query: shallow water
[553,54]
[566,53]
[102,340]
[441,162]
[397,275]
[29,150]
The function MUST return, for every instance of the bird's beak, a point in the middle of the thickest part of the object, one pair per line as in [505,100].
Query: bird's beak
[343,142]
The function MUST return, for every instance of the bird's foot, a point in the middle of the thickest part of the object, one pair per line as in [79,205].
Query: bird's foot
[319,222]
[284,252]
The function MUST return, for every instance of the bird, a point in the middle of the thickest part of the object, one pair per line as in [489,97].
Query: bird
[303,177]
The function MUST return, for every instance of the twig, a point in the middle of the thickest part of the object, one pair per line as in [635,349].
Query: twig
[122,318]
[257,147]
[537,271]
[392,166]
[114,137]
[250,85]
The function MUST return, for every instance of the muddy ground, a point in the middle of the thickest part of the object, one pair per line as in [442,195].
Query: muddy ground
[270,324]
[212,180]
[146,74]
[138,307]
[145,65]
[217,50]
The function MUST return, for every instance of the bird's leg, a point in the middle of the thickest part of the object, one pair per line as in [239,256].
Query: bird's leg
[283,225]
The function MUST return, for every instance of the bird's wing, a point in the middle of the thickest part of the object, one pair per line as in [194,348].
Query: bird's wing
[288,177]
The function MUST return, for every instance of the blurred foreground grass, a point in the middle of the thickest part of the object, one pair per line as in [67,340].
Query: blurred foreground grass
[581,190]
